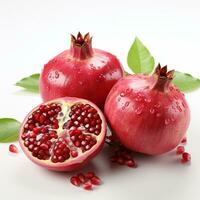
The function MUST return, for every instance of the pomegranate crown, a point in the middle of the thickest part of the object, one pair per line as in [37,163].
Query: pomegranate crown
[81,40]
[162,72]
[81,46]
[163,77]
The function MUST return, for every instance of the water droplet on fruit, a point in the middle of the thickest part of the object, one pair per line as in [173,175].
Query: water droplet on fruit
[129,90]
[158,114]
[119,99]
[56,74]
[176,97]
[172,119]
[123,107]
[139,109]
[122,94]
[127,104]
[167,121]
[179,109]
[152,110]
[80,82]
[138,98]
[183,104]
[148,100]
[157,105]
[92,66]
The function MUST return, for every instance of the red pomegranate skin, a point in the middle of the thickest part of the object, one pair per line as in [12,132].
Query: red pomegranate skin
[147,115]
[81,71]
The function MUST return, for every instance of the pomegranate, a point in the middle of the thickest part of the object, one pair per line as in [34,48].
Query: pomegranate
[81,71]
[63,134]
[149,114]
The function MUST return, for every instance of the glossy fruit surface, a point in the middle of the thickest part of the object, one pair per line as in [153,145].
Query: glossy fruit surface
[81,71]
[149,114]
[63,134]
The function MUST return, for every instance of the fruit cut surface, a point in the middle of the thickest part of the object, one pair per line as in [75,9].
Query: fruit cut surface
[63,134]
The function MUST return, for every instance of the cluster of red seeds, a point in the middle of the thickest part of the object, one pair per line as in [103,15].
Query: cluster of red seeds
[60,151]
[38,130]
[186,157]
[86,180]
[41,138]
[123,156]
[84,141]
[84,116]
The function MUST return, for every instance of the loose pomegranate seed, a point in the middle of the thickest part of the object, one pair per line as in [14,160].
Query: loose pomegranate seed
[75,180]
[131,163]
[184,140]
[95,180]
[120,160]
[186,157]
[89,175]
[87,185]
[13,148]
[180,150]
[82,177]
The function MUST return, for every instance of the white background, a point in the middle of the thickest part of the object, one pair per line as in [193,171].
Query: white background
[32,32]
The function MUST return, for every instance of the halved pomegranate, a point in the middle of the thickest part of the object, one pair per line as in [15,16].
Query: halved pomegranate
[63,134]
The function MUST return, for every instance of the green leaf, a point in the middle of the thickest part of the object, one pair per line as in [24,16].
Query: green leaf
[139,58]
[9,129]
[30,83]
[185,82]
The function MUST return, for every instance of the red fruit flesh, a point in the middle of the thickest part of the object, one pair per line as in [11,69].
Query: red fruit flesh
[81,71]
[63,134]
[149,114]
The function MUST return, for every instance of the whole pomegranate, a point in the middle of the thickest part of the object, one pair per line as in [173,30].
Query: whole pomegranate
[148,113]
[63,134]
[81,72]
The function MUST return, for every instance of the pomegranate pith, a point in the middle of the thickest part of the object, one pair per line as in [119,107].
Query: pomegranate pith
[81,71]
[149,114]
[63,134]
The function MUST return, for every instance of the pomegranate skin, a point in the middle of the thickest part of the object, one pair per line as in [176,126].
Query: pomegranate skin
[148,115]
[80,72]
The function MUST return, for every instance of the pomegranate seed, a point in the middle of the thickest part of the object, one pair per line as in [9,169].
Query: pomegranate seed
[13,148]
[95,180]
[44,146]
[74,154]
[81,176]
[184,140]
[87,185]
[186,157]
[130,163]
[89,175]
[120,161]
[180,150]
[75,181]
